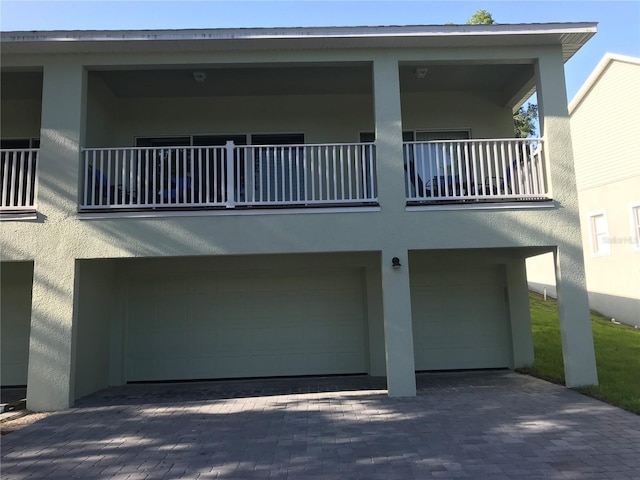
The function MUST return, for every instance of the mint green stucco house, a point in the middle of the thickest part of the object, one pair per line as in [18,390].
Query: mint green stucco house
[201,204]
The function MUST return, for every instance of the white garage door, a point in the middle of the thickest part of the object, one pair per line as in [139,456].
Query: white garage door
[460,319]
[251,324]
[15,322]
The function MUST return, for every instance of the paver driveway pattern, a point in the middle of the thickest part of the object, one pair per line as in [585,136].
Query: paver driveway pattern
[491,425]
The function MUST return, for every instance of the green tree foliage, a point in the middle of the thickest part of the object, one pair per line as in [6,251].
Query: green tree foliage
[481,17]
[524,120]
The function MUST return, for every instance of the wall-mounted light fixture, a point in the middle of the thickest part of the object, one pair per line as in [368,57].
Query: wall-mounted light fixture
[395,262]
[199,77]
[421,72]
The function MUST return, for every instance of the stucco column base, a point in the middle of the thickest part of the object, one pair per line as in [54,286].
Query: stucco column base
[49,380]
[575,323]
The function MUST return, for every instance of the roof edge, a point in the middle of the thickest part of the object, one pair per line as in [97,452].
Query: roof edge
[606,60]
[295,32]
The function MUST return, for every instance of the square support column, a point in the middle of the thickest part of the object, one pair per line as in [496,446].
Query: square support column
[50,377]
[388,129]
[573,302]
[396,295]
[61,136]
[398,326]
[520,314]
[51,345]
[578,353]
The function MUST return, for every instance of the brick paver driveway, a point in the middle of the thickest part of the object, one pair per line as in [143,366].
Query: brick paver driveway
[491,425]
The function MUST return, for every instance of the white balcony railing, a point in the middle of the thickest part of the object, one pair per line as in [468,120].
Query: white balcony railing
[228,176]
[18,180]
[475,170]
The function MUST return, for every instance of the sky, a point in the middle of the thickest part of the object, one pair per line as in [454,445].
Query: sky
[618,20]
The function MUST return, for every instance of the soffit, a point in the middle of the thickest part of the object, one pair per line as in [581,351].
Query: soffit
[499,80]
[571,36]
[232,81]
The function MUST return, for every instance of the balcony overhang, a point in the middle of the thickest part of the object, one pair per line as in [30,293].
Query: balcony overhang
[571,36]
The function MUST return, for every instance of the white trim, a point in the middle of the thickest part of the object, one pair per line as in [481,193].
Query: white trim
[17,216]
[483,206]
[595,75]
[220,213]
[635,227]
[606,250]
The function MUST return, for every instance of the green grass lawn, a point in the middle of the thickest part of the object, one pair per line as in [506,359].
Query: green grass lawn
[617,354]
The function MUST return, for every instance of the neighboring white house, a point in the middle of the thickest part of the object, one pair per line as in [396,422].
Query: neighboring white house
[606,134]
[200,204]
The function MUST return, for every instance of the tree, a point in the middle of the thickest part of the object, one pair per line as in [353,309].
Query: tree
[481,17]
[524,121]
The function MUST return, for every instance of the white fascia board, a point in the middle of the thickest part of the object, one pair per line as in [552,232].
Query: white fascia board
[297,32]
[595,75]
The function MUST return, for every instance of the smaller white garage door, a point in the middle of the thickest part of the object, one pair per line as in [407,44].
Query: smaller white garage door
[250,324]
[460,318]
[15,322]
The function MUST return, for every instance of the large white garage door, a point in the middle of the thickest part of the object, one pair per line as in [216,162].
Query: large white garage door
[460,318]
[251,324]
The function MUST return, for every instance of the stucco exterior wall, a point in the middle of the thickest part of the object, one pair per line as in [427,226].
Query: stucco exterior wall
[103,114]
[456,111]
[61,238]
[114,121]
[322,118]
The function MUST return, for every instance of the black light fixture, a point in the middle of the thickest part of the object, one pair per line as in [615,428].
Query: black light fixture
[421,72]
[199,77]
[395,262]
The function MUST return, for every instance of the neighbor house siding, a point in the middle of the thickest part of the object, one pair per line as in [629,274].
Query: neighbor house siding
[604,129]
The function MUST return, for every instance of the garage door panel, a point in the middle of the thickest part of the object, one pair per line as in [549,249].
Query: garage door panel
[460,319]
[465,358]
[172,312]
[173,286]
[247,324]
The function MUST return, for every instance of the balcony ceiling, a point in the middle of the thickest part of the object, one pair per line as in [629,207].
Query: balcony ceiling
[237,81]
[500,81]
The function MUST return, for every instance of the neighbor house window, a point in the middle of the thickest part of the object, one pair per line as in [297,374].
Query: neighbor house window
[635,226]
[599,233]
